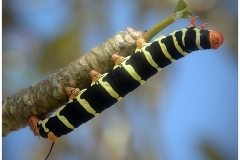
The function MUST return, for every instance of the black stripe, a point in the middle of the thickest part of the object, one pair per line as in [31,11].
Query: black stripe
[42,132]
[121,81]
[98,98]
[171,48]
[141,65]
[178,36]
[190,38]
[204,42]
[57,127]
[76,114]
[155,56]
[159,57]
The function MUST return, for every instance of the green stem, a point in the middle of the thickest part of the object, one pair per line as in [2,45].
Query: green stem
[163,24]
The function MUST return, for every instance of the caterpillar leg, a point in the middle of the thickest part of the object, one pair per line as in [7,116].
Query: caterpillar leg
[95,75]
[117,59]
[140,42]
[52,137]
[33,124]
[33,121]
[72,92]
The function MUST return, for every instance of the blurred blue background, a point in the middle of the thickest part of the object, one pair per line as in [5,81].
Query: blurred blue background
[187,111]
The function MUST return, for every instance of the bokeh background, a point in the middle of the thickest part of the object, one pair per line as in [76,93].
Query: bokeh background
[186,112]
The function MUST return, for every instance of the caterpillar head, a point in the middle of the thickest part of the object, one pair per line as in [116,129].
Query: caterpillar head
[215,39]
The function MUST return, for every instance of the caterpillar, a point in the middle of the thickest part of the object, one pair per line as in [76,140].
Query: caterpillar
[128,74]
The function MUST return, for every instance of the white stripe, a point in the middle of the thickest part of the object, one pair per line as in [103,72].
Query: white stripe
[43,123]
[164,48]
[109,88]
[64,119]
[183,35]
[197,30]
[85,104]
[149,57]
[131,71]
[176,43]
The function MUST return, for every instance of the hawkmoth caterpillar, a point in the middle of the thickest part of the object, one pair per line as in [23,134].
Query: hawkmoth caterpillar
[128,74]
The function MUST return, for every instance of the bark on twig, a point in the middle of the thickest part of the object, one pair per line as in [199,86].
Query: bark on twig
[43,98]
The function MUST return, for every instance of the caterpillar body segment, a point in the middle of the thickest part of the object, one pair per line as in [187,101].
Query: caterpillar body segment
[128,74]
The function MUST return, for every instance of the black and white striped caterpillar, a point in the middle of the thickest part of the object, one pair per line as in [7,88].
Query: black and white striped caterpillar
[128,74]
